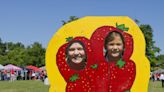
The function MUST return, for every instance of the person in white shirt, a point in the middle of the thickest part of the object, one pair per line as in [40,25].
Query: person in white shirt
[46,81]
[33,75]
[162,79]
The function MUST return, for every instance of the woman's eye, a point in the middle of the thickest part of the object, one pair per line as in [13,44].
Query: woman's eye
[111,44]
[80,48]
[118,44]
[71,49]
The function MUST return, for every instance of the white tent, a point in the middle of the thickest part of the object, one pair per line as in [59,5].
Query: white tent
[43,68]
[10,67]
[159,71]
[1,67]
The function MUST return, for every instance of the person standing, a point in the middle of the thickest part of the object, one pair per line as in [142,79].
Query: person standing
[12,73]
[162,79]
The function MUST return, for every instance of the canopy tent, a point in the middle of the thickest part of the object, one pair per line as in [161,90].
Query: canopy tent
[43,68]
[1,67]
[159,71]
[12,67]
[33,68]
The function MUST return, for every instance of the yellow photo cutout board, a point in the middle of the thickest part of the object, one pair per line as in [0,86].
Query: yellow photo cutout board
[129,73]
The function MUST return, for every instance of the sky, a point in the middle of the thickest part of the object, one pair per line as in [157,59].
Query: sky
[29,21]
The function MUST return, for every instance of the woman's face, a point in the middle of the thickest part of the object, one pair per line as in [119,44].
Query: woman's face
[76,53]
[115,47]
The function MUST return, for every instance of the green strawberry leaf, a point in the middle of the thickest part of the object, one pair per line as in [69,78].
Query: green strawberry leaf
[69,39]
[120,63]
[126,29]
[74,77]
[94,66]
[116,24]
[122,27]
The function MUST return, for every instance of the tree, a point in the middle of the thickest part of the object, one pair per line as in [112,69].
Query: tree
[11,53]
[160,59]
[137,21]
[151,49]
[35,55]
[71,18]
[2,48]
[17,54]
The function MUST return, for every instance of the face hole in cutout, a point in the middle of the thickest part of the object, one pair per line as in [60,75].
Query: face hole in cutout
[114,46]
[76,56]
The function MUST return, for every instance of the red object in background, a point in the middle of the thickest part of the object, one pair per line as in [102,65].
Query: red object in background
[36,69]
[5,71]
[12,71]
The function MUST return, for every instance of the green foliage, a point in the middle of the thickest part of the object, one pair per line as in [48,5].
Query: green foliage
[35,55]
[137,21]
[71,18]
[151,49]
[17,54]
[2,48]
[160,59]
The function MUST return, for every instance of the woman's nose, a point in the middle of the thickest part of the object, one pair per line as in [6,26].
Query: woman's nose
[76,51]
[115,46]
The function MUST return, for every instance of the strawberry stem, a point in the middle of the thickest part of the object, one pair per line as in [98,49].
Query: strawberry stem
[68,39]
[122,27]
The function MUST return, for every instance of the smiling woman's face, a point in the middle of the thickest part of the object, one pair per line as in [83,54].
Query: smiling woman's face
[76,53]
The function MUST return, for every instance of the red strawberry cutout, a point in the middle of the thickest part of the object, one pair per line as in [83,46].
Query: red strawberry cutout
[122,79]
[97,41]
[100,81]
[99,75]
[121,74]
[76,79]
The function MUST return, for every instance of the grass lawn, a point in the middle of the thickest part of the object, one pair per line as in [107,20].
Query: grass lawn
[23,86]
[38,86]
[155,86]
